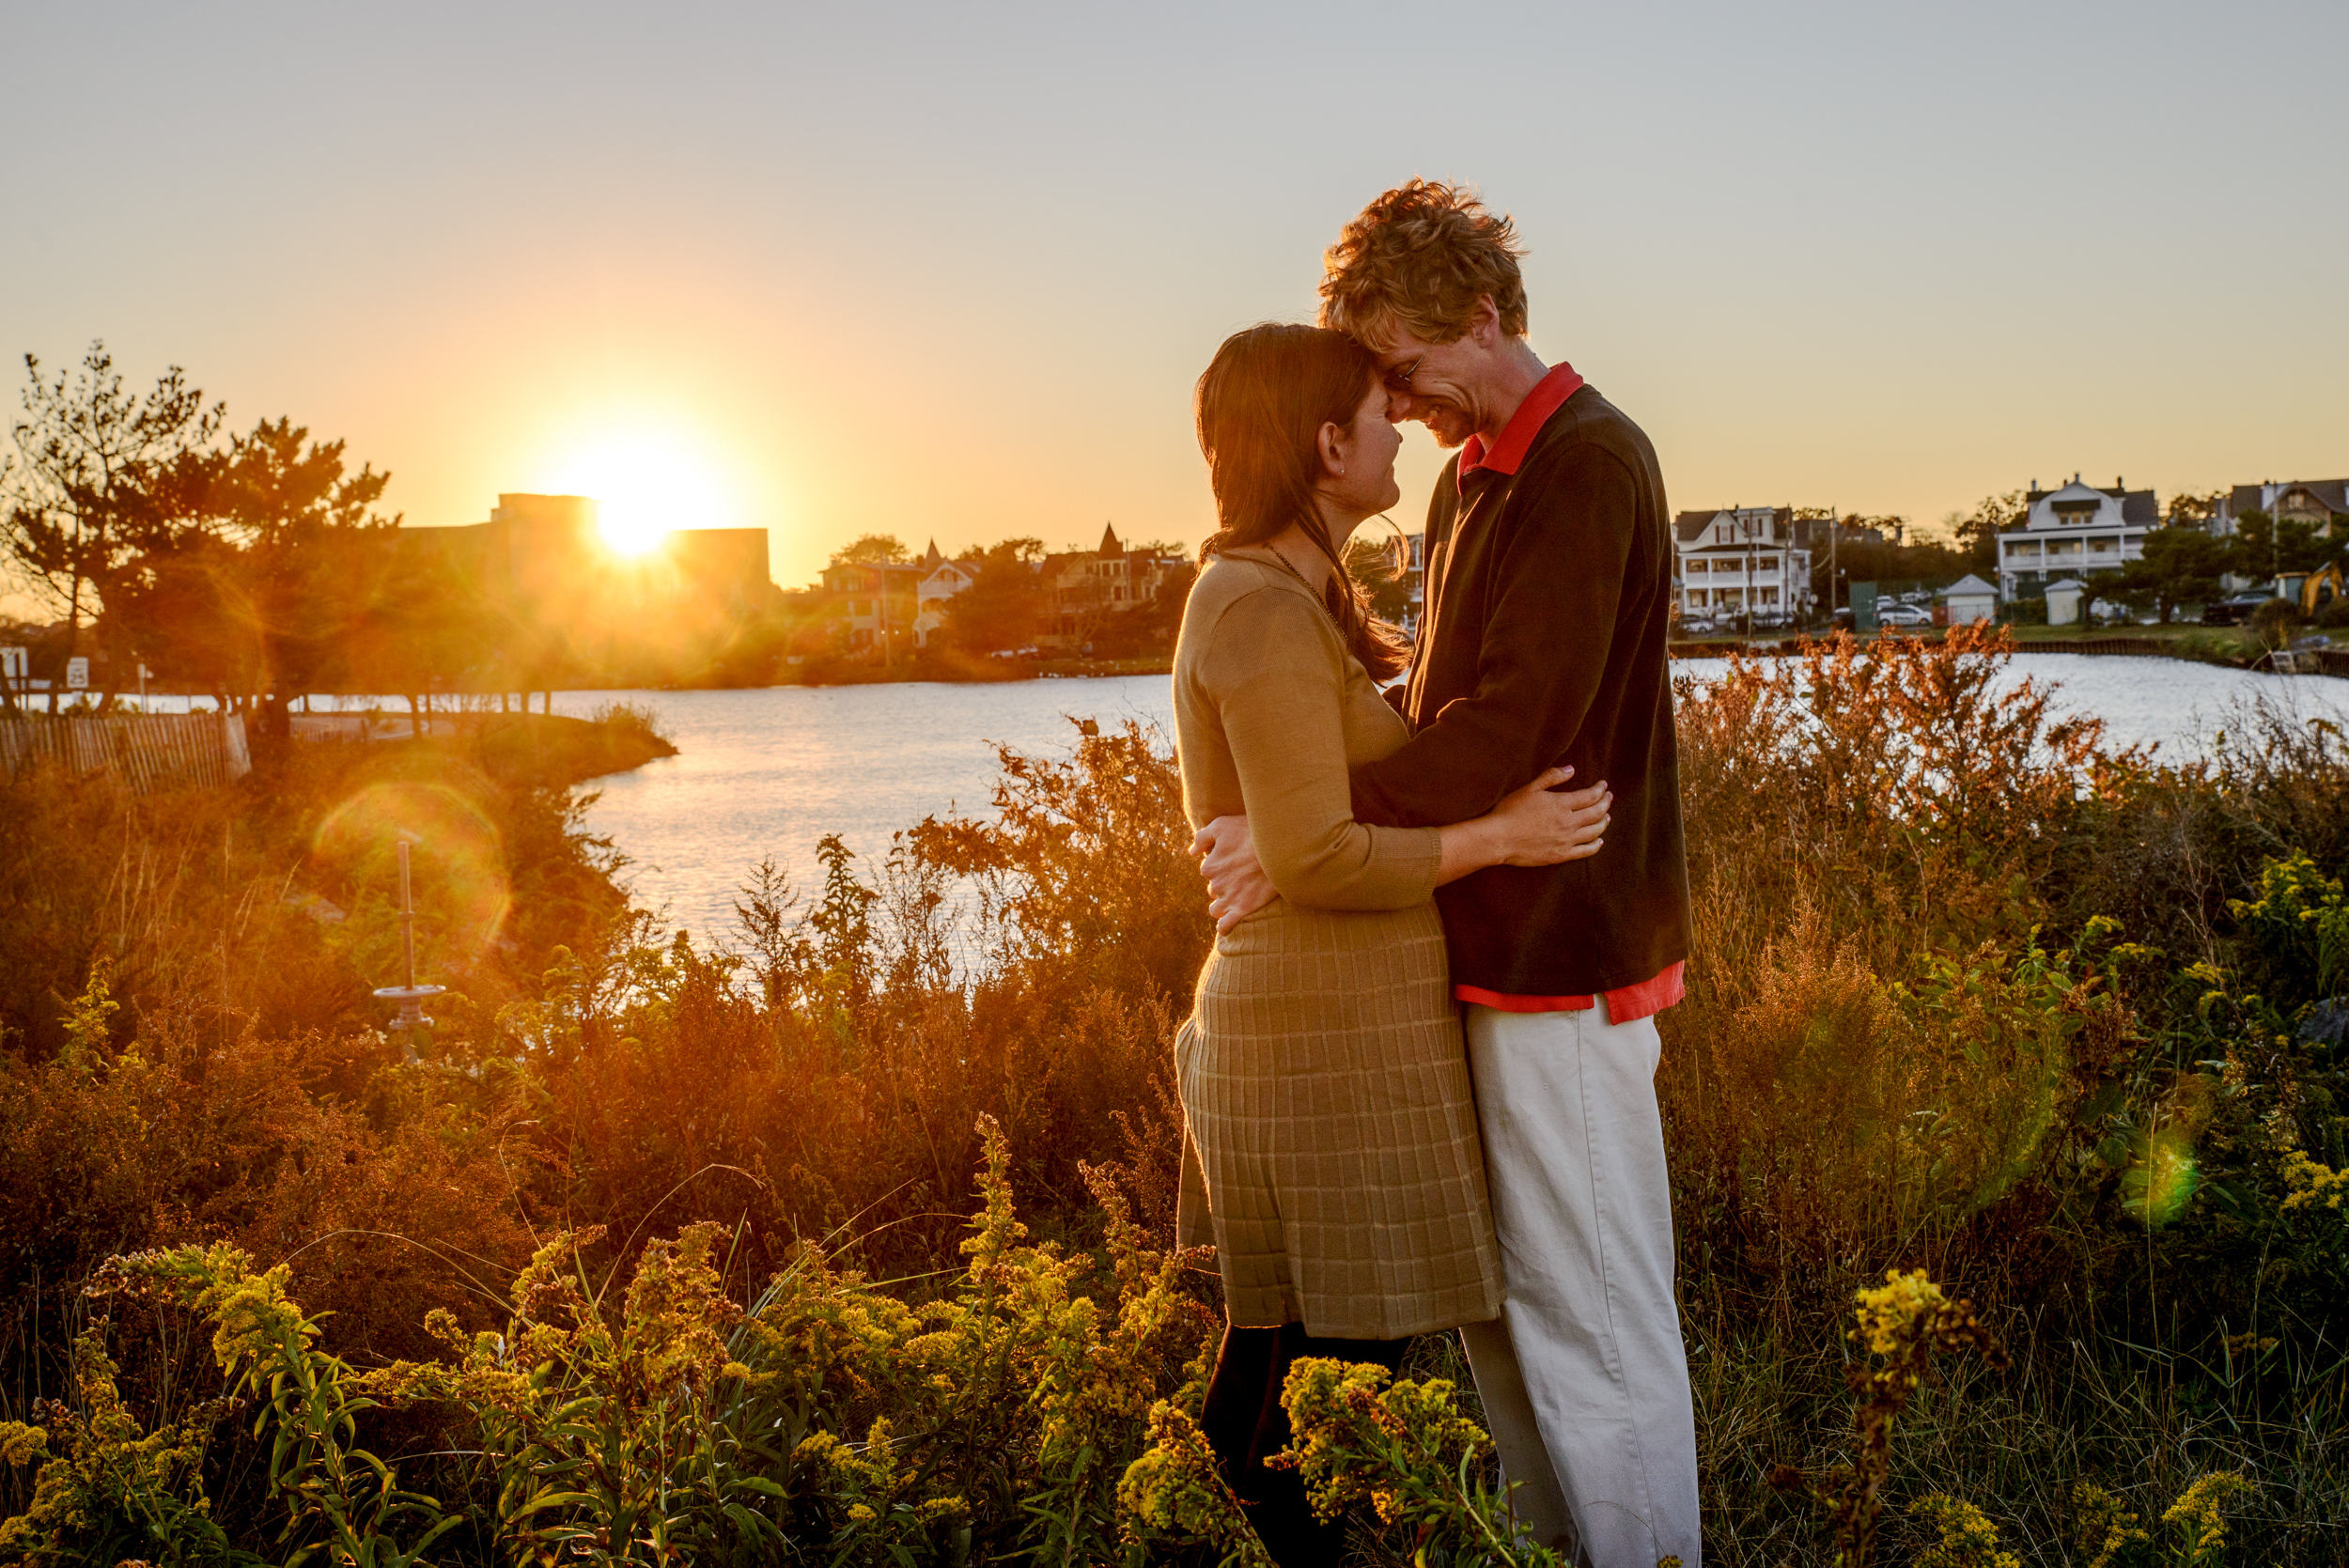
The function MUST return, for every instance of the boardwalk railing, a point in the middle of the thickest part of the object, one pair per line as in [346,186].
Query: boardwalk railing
[145,750]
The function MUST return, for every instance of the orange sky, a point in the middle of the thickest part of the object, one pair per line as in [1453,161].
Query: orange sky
[940,271]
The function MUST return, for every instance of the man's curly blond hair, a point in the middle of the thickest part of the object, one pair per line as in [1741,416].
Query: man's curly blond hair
[1419,257]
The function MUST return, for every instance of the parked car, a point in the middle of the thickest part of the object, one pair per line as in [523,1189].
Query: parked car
[1902,615]
[2232,611]
[1696,626]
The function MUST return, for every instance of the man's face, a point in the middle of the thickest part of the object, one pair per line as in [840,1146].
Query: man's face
[1436,383]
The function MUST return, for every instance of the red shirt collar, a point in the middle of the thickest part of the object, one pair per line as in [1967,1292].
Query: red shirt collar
[1548,395]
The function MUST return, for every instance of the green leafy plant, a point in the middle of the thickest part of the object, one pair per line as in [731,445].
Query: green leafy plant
[342,1504]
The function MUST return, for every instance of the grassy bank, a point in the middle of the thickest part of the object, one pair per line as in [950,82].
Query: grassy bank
[960,668]
[2215,644]
[818,1248]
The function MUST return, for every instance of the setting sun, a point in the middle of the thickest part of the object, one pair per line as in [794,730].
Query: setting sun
[646,487]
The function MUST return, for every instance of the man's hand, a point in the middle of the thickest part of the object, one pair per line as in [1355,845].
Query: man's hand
[1236,885]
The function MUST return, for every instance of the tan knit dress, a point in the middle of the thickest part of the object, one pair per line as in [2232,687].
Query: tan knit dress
[1332,1155]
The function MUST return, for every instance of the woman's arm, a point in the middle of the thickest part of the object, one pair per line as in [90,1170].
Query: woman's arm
[1277,675]
[1275,671]
[1537,825]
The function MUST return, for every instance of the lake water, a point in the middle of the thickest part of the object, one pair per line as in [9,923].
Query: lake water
[766,772]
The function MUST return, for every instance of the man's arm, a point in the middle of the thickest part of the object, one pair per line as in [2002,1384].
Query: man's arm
[1544,654]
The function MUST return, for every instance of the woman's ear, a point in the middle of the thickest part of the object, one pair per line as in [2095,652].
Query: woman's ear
[1332,443]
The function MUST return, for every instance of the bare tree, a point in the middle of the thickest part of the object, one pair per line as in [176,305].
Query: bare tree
[80,498]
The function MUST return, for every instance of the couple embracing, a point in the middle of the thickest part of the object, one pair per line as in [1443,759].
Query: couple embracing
[1419,1075]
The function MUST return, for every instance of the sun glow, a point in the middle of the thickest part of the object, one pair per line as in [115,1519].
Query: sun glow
[646,487]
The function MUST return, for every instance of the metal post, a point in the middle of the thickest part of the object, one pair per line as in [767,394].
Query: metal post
[407,918]
[410,997]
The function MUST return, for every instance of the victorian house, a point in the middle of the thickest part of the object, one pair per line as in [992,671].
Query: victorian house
[942,581]
[1089,585]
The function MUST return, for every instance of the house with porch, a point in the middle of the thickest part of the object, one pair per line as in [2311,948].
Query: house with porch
[1739,561]
[2073,530]
[879,601]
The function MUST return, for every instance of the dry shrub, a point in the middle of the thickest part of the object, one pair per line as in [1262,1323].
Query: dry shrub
[1910,802]
[1875,1049]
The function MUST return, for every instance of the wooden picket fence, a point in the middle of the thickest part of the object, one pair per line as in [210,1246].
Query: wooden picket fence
[144,750]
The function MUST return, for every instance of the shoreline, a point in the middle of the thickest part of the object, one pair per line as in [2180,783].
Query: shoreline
[2191,645]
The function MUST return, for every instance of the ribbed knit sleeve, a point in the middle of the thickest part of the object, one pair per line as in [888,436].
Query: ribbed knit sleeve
[1276,674]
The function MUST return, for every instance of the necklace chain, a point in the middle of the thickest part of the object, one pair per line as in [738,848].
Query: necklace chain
[1286,566]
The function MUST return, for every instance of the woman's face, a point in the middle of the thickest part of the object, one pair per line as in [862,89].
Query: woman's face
[1357,466]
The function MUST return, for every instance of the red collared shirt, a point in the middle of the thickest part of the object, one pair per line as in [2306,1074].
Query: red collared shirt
[1626,1002]
[1548,395]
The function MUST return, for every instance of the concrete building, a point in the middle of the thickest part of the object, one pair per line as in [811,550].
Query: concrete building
[545,556]
[2075,530]
[1740,561]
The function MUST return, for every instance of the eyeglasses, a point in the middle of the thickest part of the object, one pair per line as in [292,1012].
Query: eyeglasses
[1400,380]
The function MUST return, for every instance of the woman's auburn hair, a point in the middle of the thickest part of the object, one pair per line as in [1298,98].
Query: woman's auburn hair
[1261,404]
[1420,256]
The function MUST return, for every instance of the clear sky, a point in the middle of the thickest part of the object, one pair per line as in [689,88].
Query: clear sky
[951,269]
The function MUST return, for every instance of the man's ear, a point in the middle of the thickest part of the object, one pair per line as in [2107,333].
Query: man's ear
[1484,322]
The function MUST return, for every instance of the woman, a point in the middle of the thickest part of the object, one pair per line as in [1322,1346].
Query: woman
[1332,1155]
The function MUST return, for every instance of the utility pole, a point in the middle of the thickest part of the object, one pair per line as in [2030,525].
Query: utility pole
[1745,526]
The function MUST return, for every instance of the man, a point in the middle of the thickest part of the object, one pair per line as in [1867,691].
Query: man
[1549,580]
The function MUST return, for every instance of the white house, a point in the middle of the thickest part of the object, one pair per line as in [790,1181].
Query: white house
[2073,531]
[944,579]
[1744,558]
[1966,600]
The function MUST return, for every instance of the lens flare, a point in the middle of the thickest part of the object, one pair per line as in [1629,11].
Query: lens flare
[457,853]
[2160,1178]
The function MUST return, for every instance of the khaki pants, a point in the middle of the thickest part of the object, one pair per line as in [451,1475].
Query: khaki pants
[1584,1378]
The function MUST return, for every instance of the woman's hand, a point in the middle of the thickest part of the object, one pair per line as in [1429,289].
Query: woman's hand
[1533,825]
[1236,884]
[1538,824]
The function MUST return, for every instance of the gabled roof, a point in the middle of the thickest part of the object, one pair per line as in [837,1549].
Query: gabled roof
[2138,508]
[1969,586]
[1687,526]
[2334,493]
